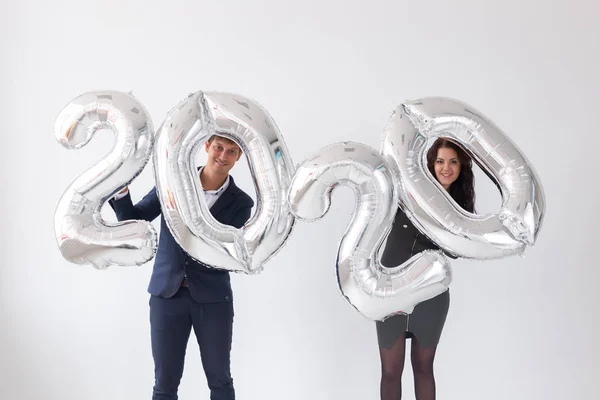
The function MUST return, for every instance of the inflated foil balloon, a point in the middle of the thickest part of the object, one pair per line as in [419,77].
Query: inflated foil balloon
[412,129]
[83,236]
[377,292]
[187,127]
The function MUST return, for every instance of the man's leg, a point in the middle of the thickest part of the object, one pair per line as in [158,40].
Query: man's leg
[170,327]
[213,325]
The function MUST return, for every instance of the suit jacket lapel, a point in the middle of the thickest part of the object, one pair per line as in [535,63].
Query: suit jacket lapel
[225,199]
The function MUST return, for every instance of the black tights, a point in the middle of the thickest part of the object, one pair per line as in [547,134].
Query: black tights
[392,364]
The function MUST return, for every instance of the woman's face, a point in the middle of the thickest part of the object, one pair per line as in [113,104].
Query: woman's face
[447,167]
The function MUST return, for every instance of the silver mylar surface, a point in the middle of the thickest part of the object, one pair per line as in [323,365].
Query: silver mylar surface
[82,236]
[412,129]
[375,291]
[185,130]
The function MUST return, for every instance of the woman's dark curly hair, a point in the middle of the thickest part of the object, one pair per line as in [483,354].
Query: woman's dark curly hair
[463,188]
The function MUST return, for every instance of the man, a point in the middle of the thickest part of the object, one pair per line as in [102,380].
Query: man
[185,293]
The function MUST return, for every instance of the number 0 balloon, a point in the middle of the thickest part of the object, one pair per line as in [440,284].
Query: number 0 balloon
[188,126]
[411,131]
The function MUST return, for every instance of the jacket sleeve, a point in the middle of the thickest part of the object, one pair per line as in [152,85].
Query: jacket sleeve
[424,241]
[146,209]
[428,243]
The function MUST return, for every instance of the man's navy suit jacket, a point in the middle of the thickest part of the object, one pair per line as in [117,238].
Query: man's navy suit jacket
[171,262]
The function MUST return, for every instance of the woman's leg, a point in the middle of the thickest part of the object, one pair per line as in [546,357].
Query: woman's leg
[392,364]
[427,323]
[422,365]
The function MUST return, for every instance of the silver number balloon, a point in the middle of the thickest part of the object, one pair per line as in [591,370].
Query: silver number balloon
[184,131]
[82,235]
[411,131]
[375,291]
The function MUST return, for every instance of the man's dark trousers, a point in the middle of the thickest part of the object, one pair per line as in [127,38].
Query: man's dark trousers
[171,321]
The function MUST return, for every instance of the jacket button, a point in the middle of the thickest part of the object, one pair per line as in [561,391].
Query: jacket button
[405,226]
[226,297]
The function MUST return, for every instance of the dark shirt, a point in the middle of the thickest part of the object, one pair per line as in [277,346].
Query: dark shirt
[404,241]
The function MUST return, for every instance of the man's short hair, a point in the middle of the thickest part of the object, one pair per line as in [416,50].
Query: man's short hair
[227,140]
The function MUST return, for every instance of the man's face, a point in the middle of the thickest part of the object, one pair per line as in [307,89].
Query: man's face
[222,155]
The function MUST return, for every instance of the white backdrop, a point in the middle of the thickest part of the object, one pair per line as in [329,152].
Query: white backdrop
[327,71]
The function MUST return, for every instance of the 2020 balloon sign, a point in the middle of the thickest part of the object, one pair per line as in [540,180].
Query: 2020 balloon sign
[396,176]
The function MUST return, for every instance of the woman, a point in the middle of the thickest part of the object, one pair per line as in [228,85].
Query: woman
[452,168]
